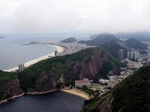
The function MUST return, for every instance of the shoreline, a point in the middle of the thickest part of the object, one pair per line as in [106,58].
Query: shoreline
[28,93]
[40,93]
[11,98]
[29,63]
[69,91]
[77,93]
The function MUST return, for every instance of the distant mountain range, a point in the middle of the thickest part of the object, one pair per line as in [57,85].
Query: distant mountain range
[100,39]
[130,95]
[135,43]
[142,36]
[112,44]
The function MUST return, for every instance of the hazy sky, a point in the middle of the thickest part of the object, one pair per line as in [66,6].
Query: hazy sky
[55,16]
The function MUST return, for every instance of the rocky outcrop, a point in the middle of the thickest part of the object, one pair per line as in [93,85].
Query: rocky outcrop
[91,66]
[10,89]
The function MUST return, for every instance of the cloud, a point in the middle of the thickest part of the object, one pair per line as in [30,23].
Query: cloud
[51,16]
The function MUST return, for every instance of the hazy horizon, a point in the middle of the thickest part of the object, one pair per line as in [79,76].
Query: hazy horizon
[74,16]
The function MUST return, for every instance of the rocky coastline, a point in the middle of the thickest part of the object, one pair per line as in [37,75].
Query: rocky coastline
[11,98]
[27,93]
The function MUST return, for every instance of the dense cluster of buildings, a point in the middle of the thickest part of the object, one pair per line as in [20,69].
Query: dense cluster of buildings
[70,48]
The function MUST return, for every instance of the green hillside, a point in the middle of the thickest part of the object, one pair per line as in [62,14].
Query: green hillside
[131,95]
[113,47]
[9,85]
[135,43]
[53,73]
[69,67]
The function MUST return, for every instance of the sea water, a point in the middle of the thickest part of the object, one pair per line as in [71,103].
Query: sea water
[51,102]
[13,51]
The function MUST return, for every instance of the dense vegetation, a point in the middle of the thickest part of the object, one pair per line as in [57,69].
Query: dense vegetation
[59,71]
[135,43]
[5,76]
[100,39]
[4,79]
[55,68]
[113,47]
[132,94]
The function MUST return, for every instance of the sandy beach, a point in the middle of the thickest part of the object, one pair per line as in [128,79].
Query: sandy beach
[77,92]
[59,49]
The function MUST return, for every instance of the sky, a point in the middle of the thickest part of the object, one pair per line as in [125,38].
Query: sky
[62,16]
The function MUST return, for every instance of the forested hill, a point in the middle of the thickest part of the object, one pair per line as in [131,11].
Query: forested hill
[69,40]
[51,74]
[135,43]
[130,95]
[100,39]
[91,63]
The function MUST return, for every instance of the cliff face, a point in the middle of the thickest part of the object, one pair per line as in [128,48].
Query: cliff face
[132,94]
[9,89]
[92,66]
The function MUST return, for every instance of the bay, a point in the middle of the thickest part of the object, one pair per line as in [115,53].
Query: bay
[51,102]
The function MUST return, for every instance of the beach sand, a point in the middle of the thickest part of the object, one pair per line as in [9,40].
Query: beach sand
[77,92]
[59,49]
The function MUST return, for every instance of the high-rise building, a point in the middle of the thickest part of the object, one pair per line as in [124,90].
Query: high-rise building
[20,67]
[128,54]
[131,55]
[120,54]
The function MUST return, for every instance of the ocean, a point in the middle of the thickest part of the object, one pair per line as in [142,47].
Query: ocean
[13,52]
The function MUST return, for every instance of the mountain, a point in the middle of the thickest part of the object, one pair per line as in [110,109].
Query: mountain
[142,36]
[46,75]
[130,95]
[101,39]
[53,73]
[69,40]
[113,47]
[107,41]
[135,43]
[94,36]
